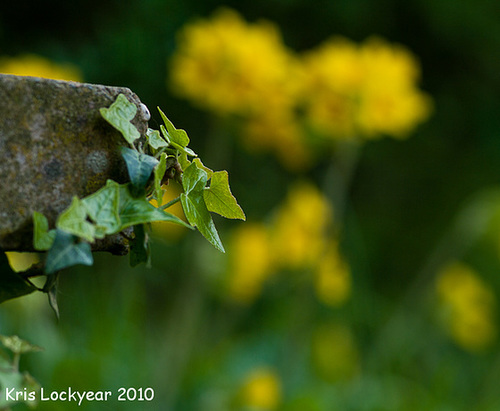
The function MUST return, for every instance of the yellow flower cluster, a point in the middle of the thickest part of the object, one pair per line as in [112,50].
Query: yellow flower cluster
[261,390]
[296,239]
[468,307]
[365,90]
[37,66]
[340,90]
[228,66]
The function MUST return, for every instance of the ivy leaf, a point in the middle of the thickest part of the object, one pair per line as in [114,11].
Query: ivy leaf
[159,173]
[119,115]
[219,198]
[102,208]
[177,146]
[183,161]
[74,221]
[140,251]
[198,215]
[42,237]
[194,180]
[140,167]
[207,170]
[66,252]
[12,284]
[134,211]
[155,140]
[177,136]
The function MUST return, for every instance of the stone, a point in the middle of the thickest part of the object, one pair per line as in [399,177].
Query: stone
[54,145]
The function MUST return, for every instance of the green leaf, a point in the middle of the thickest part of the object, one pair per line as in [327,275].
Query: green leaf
[139,248]
[194,179]
[135,211]
[219,198]
[102,208]
[155,140]
[42,237]
[198,215]
[139,166]
[119,115]
[73,220]
[177,146]
[159,173]
[50,288]
[183,161]
[12,284]
[177,136]
[17,345]
[199,164]
[66,252]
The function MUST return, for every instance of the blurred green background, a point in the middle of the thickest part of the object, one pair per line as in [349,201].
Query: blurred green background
[411,208]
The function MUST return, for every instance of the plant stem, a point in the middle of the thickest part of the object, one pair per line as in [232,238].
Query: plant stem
[171,203]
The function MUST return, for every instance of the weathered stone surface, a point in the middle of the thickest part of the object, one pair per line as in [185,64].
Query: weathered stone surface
[54,145]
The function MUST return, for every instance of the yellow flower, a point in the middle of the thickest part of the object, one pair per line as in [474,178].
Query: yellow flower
[22,261]
[390,103]
[333,279]
[334,352]
[37,66]
[363,91]
[229,66]
[299,228]
[250,264]
[467,305]
[261,389]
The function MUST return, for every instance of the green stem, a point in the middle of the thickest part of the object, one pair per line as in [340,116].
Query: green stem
[171,203]
[15,361]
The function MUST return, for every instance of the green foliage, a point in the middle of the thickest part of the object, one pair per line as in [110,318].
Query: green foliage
[13,285]
[194,181]
[139,166]
[10,376]
[159,172]
[116,207]
[219,199]
[43,238]
[119,115]
[74,221]
[66,252]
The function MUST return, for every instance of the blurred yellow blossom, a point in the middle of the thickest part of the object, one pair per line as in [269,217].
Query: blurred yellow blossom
[333,278]
[22,261]
[299,228]
[298,237]
[468,306]
[363,91]
[250,263]
[334,352]
[285,100]
[230,66]
[280,132]
[37,66]
[334,76]
[261,389]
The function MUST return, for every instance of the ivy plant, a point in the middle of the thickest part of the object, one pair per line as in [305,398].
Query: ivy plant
[127,209]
